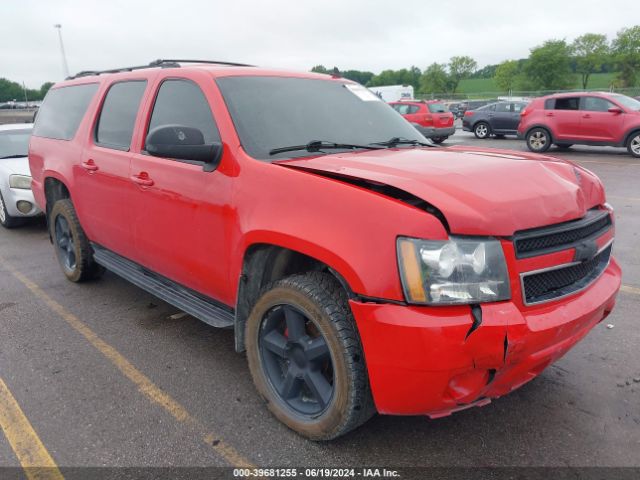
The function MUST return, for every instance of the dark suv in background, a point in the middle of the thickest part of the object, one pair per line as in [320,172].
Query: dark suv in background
[499,119]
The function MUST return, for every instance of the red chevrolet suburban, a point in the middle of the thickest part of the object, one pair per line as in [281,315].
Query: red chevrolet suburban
[362,269]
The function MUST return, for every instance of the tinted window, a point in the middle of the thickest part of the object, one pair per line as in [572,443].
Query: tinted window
[503,107]
[437,108]
[403,109]
[14,143]
[487,108]
[596,104]
[118,115]
[572,103]
[181,102]
[413,109]
[62,111]
[274,112]
[518,107]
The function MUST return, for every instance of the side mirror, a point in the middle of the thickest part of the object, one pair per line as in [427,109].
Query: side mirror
[183,143]
[616,110]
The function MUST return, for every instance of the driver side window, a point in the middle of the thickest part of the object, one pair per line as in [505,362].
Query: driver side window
[181,102]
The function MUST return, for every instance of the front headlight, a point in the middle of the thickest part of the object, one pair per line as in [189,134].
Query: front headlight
[20,181]
[457,271]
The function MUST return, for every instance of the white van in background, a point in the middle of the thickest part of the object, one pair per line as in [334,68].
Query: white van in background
[393,93]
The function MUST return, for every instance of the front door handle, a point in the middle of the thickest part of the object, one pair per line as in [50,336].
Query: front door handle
[586,115]
[549,114]
[142,179]
[90,165]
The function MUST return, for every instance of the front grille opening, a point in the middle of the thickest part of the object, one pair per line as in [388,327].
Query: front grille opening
[562,236]
[545,286]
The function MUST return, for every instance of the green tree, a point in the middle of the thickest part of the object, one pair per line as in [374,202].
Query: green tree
[548,66]
[319,69]
[459,69]
[45,88]
[435,79]
[591,51]
[626,49]
[358,76]
[506,75]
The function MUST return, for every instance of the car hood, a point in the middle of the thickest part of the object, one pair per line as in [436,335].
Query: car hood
[15,166]
[479,191]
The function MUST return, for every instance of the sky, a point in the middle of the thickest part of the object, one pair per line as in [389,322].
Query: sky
[368,35]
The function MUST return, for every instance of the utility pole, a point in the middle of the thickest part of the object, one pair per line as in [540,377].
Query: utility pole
[26,100]
[65,67]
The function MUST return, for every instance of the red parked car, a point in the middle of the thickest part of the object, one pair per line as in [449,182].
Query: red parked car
[362,269]
[591,118]
[431,118]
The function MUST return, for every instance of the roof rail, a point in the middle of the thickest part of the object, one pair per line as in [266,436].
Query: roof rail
[160,63]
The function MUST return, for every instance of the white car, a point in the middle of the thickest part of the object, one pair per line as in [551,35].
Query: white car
[16,198]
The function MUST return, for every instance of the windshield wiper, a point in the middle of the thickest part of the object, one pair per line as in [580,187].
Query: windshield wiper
[12,156]
[394,141]
[318,145]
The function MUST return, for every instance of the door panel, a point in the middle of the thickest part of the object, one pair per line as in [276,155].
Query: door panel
[597,123]
[179,210]
[565,118]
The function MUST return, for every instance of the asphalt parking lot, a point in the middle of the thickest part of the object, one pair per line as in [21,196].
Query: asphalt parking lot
[107,375]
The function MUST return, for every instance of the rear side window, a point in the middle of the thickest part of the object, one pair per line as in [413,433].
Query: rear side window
[62,110]
[437,108]
[571,103]
[518,107]
[503,107]
[118,114]
[413,109]
[181,102]
[549,103]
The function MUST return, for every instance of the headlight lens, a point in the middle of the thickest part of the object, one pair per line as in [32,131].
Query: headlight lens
[457,271]
[20,181]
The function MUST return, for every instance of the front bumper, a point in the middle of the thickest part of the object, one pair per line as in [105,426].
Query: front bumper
[432,132]
[429,360]
[14,195]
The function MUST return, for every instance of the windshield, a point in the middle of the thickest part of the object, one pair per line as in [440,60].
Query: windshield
[14,143]
[627,102]
[437,108]
[270,113]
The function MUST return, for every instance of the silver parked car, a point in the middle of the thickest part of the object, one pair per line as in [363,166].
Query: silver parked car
[16,198]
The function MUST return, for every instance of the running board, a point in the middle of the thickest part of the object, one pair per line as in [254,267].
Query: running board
[187,300]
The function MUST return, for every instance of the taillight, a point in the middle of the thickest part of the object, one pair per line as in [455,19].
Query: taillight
[524,112]
[468,113]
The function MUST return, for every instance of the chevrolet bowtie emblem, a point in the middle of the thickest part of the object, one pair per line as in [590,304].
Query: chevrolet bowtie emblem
[585,251]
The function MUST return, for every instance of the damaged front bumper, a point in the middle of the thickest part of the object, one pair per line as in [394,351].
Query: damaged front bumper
[437,360]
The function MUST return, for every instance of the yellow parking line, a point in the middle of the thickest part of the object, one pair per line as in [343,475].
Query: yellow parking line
[144,384]
[31,453]
[630,289]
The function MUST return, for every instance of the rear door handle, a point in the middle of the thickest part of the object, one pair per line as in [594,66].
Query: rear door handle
[586,115]
[90,166]
[142,179]
[549,114]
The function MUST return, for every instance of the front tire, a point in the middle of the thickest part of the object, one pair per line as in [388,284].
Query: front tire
[538,140]
[482,130]
[306,359]
[73,250]
[633,145]
[6,220]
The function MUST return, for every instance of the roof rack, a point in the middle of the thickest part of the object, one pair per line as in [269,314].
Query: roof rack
[160,63]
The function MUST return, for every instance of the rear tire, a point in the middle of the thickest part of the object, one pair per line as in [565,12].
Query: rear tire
[538,140]
[633,145]
[482,130]
[321,393]
[73,250]
[6,220]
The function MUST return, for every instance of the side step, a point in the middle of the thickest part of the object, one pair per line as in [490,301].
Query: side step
[187,300]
